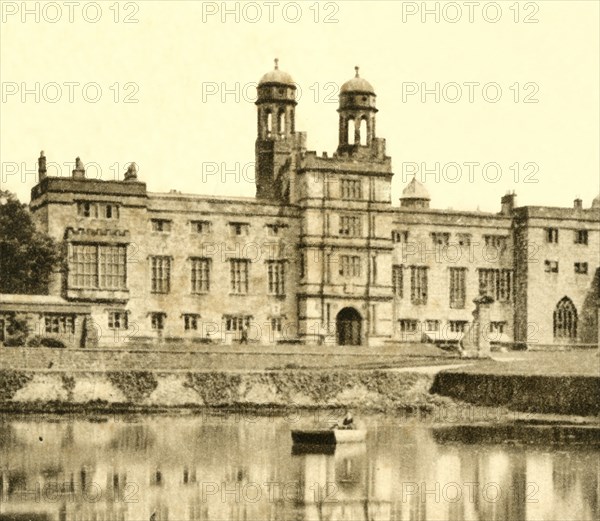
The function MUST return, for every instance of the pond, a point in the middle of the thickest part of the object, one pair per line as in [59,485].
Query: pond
[230,467]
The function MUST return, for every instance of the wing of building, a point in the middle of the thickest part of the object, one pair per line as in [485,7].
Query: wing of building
[321,254]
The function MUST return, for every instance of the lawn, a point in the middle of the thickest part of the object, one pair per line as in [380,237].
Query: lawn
[554,363]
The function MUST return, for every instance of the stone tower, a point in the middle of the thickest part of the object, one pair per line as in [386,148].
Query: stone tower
[276,104]
[357,117]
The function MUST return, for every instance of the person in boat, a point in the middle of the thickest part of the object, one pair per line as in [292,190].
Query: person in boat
[347,422]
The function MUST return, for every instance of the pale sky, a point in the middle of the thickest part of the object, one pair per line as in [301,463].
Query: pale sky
[173,61]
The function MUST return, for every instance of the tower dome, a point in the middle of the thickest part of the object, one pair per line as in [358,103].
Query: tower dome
[357,85]
[276,77]
[276,101]
[357,112]
[415,195]
[596,202]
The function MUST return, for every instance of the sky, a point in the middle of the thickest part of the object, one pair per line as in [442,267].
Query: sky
[476,100]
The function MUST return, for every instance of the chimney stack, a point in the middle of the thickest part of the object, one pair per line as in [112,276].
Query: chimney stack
[41,166]
[508,203]
[578,204]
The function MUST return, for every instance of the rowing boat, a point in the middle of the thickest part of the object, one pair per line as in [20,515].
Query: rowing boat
[329,436]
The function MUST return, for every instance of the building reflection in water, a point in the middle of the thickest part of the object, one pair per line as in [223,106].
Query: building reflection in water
[219,468]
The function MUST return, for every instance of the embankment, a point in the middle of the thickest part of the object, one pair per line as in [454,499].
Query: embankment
[372,389]
[566,394]
[86,390]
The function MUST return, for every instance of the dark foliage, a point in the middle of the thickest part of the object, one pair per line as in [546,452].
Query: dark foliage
[27,256]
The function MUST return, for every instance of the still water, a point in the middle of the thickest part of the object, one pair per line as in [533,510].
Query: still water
[230,468]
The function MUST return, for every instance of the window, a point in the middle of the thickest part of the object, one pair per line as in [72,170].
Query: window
[458,287]
[565,320]
[276,276]
[458,326]
[273,230]
[408,325]
[236,322]
[432,325]
[418,284]
[239,228]
[94,210]
[2,329]
[94,266]
[190,321]
[59,324]
[398,280]
[157,321]
[276,324]
[117,320]
[111,211]
[552,235]
[350,226]
[239,275]
[496,284]
[351,189]
[497,327]
[161,225]
[581,236]
[495,241]
[551,266]
[161,274]
[112,267]
[440,239]
[156,479]
[87,209]
[83,266]
[200,275]
[399,236]
[350,266]
[201,227]
[581,268]
[464,239]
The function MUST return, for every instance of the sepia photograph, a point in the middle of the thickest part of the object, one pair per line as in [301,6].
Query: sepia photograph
[300,260]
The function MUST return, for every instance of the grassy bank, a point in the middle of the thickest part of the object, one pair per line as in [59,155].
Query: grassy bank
[145,390]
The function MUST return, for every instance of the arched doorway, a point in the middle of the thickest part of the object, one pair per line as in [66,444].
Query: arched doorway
[349,327]
[565,320]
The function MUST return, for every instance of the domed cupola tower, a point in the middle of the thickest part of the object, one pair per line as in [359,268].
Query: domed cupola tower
[415,195]
[276,104]
[357,114]
[276,138]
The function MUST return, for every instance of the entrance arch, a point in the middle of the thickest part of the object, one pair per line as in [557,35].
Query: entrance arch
[565,320]
[349,327]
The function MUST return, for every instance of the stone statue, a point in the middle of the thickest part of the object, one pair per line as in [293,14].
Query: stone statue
[79,172]
[476,340]
[131,174]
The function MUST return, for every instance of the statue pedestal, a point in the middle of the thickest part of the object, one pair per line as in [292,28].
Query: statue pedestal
[476,341]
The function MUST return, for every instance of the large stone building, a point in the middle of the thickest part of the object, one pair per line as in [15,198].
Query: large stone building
[321,254]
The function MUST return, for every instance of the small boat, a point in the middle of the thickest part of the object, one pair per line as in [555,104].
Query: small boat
[329,436]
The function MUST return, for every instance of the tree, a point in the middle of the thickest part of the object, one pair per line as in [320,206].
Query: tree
[27,256]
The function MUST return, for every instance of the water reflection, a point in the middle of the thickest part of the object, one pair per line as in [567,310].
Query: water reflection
[220,468]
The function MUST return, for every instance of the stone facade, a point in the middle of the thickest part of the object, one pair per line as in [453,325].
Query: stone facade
[321,254]
[48,320]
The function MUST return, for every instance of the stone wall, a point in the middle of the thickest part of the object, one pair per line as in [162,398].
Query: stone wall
[28,390]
